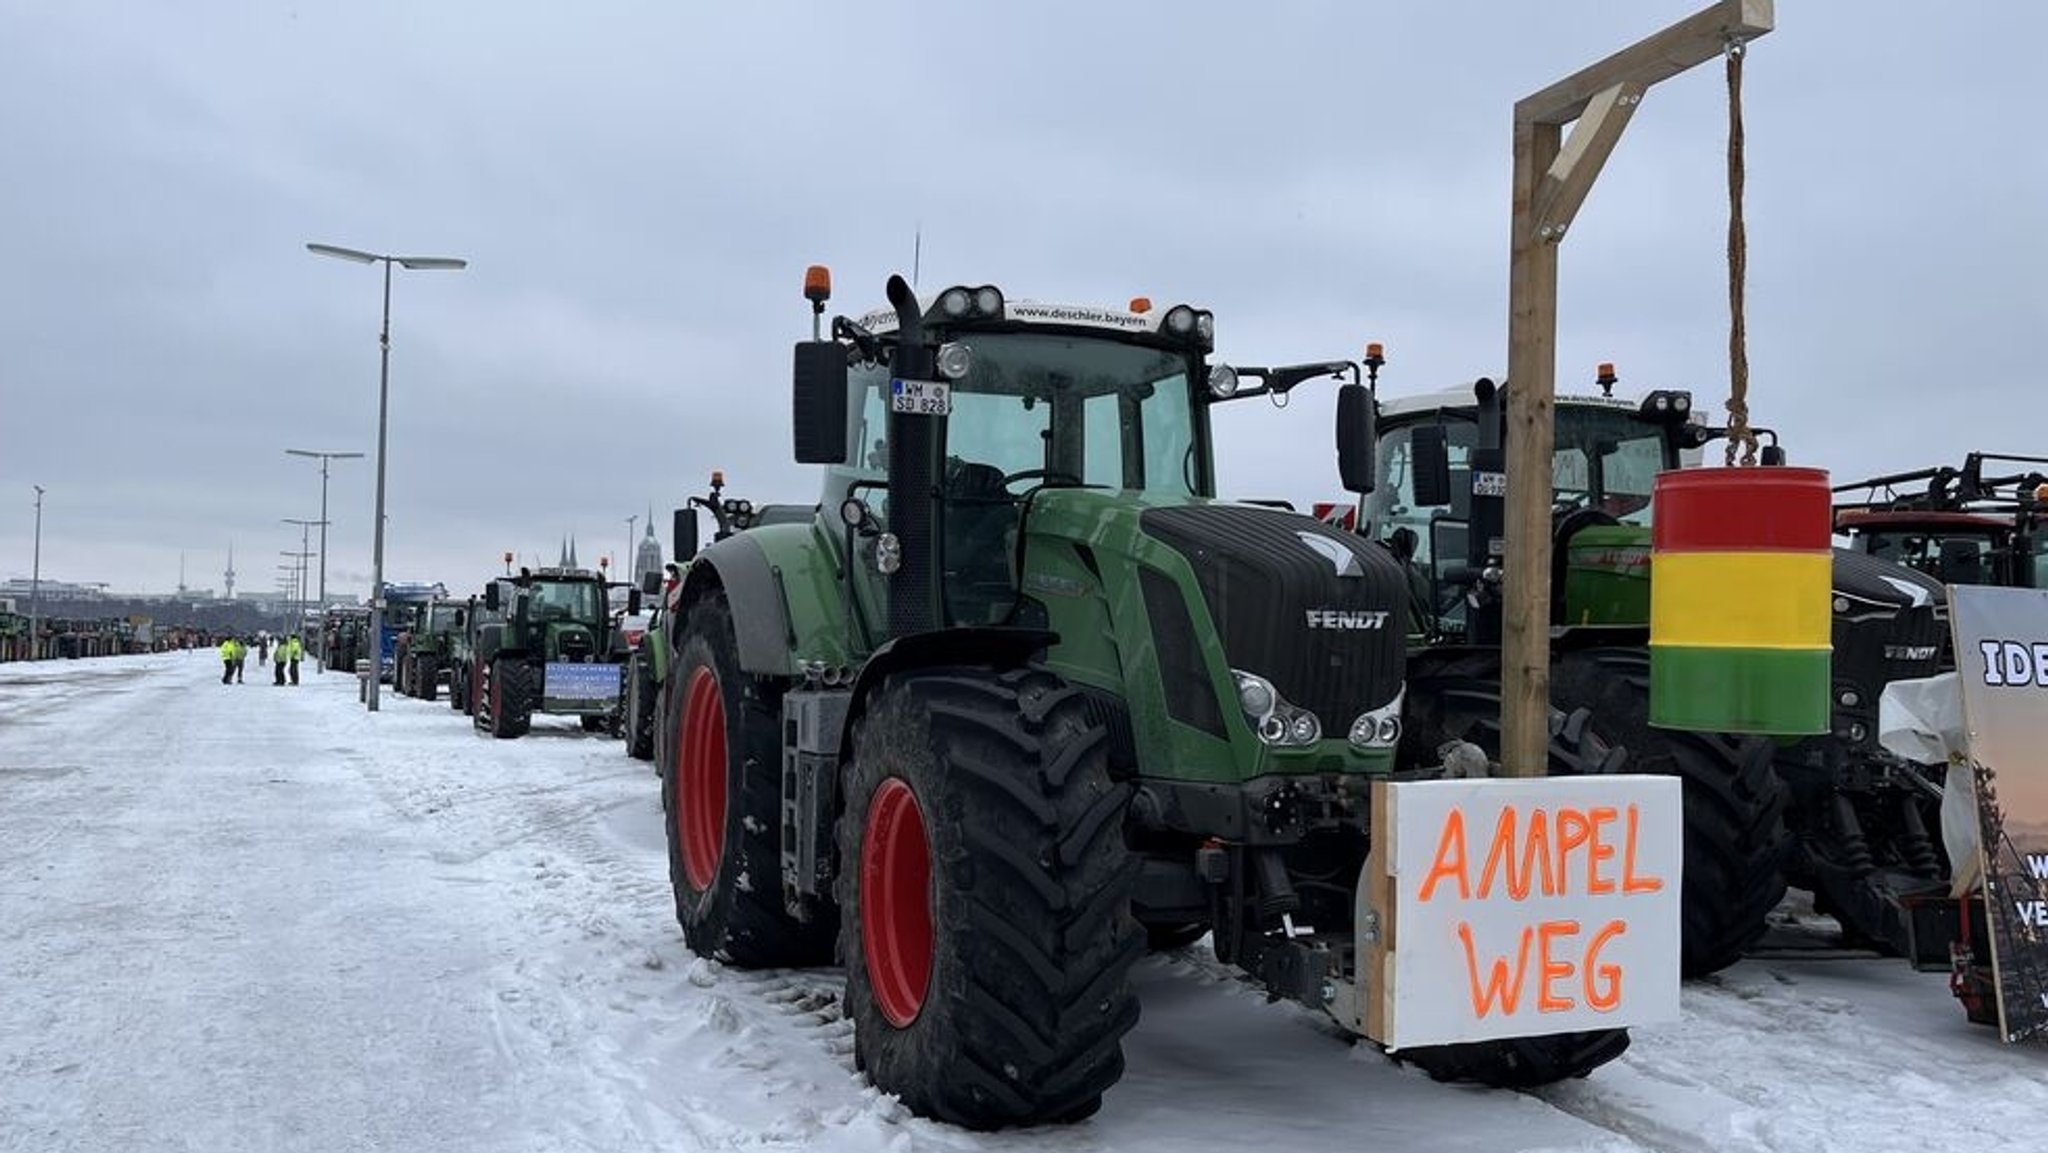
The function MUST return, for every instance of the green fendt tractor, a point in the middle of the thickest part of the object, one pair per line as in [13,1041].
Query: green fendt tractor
[553,649]
[1023,695]
[1833,814]
[428,649]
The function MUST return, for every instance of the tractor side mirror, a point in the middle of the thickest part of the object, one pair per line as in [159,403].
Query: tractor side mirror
[1355,433]
[633,602]
[685,534]
[1429,444]
[650,583]
[491,602]
[461,618]
[1773,456]
[818,403]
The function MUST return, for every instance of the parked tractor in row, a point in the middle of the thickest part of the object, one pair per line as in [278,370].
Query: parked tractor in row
[547,646]
[423,653]
[1834,814]
[1957,525]
[1022,696]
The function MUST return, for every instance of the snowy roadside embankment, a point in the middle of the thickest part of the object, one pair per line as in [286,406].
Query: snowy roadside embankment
[249,917]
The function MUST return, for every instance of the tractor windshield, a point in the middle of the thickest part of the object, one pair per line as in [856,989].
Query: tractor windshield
[1066,409]
[1607,459]
[1604,459]
[1036,409]
[565,601]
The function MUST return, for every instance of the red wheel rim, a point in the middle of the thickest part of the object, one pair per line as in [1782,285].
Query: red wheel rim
[700,772]
[895,902]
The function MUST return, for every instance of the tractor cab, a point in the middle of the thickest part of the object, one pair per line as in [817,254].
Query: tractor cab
[560,614]
[1438,451]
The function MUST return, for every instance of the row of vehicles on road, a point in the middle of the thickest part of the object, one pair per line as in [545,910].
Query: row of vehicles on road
[1021,676]
[1019,697]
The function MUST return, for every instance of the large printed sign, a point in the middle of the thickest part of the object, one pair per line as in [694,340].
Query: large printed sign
[1523,907]
[2001,638]
[567,681]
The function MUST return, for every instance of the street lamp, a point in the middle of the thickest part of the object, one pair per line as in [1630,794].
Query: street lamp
[416,263]
[305,527]
[35,580]
[324,458]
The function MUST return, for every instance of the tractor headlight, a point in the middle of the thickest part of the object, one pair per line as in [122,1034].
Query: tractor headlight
[988,300]
[1180,320]
[1255,695]
[1223,381]
[1205,327]
[1270,715]
[953,360]
[888,553]
[1380,728]
[954,303]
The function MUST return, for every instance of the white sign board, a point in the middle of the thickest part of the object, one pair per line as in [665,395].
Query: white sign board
[2001,639]
[1524,907]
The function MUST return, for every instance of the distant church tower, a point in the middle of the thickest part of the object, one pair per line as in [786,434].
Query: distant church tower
[649,558]
[228,578]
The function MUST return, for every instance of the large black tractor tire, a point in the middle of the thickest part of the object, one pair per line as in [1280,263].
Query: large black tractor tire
[1461,700]
[985,887]
[428,679]
[1736,843]
[594,724]
[723,797]
[506,708]
[640,703]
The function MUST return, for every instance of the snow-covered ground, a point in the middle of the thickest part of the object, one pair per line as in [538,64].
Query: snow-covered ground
[258,918]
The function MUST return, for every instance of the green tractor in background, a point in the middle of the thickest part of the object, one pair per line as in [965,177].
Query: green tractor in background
[428,648]
[551,648]
[1023,696]
[464,678]
[1833,814]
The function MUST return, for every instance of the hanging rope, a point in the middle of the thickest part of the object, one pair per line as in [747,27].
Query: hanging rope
[1739,432]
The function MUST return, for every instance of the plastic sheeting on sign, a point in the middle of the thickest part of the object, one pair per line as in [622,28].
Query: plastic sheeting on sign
[1922,721]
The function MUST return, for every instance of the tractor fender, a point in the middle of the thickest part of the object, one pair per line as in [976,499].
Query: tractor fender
[760,620]
[1001,648]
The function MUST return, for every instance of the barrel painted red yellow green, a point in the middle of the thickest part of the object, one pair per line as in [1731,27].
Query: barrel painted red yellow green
[1741,566]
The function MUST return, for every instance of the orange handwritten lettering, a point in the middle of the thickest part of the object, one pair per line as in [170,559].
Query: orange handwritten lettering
[1535,856]
[1598,849]
[1450,859]
[1630,882]
[1573,830]
[1499,988]
[1603,997]
[1546,1000]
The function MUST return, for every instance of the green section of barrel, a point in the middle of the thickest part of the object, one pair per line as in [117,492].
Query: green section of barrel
[1738,615]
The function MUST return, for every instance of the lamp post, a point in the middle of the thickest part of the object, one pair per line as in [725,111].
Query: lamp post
[627,562]
[305,531]
[324,458]
[35,580]
[417,263]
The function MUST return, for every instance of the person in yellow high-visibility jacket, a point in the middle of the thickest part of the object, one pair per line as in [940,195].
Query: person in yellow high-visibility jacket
[295,649]
[231,654]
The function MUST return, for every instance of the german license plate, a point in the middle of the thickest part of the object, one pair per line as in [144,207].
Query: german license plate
[921,397]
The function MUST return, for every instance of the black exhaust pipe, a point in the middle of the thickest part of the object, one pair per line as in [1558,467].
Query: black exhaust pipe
[913,467]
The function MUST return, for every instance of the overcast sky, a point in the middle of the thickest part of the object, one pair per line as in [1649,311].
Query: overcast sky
[638,187]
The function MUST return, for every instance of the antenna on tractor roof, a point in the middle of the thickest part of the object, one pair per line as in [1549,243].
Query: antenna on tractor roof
[916,252]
